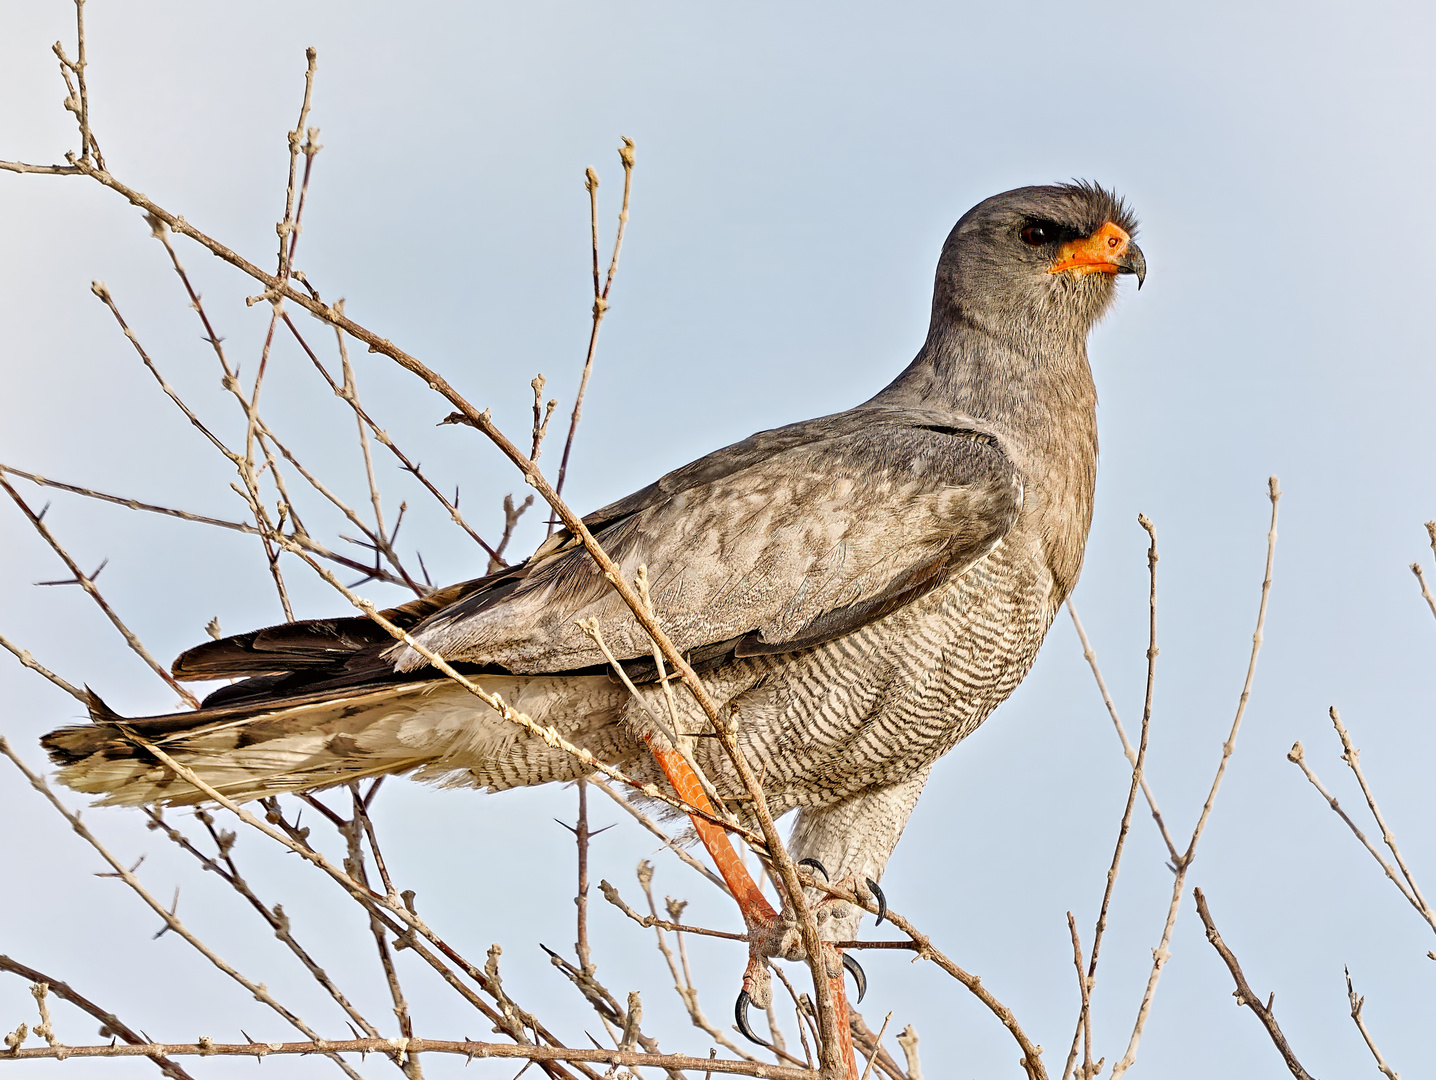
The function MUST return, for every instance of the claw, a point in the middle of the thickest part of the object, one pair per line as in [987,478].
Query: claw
[819,867]
[882,900]
[859,977]
[740,1013]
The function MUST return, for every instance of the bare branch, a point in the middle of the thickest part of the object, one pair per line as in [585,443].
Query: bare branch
[23,655]
[1245,995]
[1297,756]
[1356,1005]
[600,296]
[1352,756]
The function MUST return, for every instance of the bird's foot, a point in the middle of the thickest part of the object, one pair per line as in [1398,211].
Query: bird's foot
[835,910]
[777,936]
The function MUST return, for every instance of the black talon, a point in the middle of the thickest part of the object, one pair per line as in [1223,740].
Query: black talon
[819,867]
[882,900]
[859,977]
[740,1013]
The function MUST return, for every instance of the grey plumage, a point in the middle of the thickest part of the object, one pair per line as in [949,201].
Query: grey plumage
[864,588]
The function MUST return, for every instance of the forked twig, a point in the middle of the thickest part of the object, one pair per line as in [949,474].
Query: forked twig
[1297,756]
[600,295]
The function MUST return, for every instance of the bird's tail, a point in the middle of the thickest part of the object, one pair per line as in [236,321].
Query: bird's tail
[245,752]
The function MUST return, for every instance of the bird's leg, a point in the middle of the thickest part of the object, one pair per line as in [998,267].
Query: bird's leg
[769,934]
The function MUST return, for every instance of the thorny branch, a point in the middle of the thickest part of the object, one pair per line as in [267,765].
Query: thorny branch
[468,1050]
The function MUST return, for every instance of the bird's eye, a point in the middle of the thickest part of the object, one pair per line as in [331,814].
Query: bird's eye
[1037,235]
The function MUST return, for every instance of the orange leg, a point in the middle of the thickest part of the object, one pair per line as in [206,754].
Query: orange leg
[758,914]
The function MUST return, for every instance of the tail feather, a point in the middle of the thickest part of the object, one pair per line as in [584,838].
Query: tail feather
[319,740]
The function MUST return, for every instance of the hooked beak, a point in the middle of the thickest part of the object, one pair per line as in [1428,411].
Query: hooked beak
[1110,250]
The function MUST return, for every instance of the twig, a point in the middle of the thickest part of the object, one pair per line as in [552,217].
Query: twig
[1352,756]
[581,837]
[877,1046]
[1421,577]
[866,1038]
[380,435]
[276,918]
[512,514]
[1084,1019]
[89,586]
[600,296]
[289,228]
[1127,748]
[111,1024]
[1162,953]
[653,827]
[1425,591]
[1245,995]
[303,539]
[678,967]
[612,895]
[540,419]
[1084,1026]
[353,833]
[1297,756]
[1356,1005]
[23,655]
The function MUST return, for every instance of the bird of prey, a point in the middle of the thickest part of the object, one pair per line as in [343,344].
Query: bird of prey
[860,590]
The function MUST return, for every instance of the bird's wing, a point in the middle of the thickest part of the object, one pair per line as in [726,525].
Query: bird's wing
[783,541]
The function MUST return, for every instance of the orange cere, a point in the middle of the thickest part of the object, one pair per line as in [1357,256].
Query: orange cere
[1095,254]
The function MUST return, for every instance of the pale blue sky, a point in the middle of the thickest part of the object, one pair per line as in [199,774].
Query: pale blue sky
[798,168]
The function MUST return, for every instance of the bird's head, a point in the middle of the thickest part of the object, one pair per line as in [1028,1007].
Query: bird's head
[1038,261]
